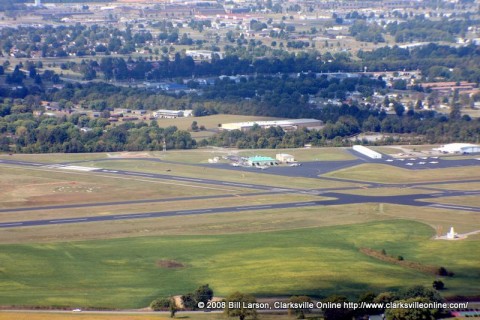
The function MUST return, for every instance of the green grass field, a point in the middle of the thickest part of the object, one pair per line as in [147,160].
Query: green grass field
[37,187]
[310,251]
[124,273]
[389,174]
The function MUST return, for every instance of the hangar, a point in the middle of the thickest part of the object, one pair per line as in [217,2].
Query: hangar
[287,125]
[258,161]
[459,148]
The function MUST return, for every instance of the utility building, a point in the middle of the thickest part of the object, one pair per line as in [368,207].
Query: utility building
[258,161]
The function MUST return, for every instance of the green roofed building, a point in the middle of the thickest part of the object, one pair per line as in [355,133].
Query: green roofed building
[258,161]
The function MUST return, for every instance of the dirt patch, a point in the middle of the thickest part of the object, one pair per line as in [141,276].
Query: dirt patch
[399,261]
[169,264]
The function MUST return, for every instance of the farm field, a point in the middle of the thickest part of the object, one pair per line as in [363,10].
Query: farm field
[77,274]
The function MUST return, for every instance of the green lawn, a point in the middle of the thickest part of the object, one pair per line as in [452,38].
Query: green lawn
[389,174]
[124,273]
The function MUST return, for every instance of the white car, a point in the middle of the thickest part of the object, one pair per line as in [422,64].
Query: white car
[389,160]
[422,162]
[433,162]
[295,164]
[409,164]
[77,310]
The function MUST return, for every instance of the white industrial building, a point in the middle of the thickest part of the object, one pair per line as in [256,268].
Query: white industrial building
[367,152]
[285,158]
[287,125]
[168,114]
[458,148]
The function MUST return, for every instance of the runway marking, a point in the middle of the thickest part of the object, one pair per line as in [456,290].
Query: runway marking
[238,184]
[451,206]
[305,204]
[67,220]
[11,224]
[193,211]
[253,207]
[188,179]
[140,174]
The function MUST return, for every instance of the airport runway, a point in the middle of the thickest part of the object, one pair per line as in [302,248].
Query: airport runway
[310,170]
[340,199]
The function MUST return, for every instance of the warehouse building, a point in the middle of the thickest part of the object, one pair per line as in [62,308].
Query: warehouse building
[459,148]
[287,125]
[168,114]
[367,152]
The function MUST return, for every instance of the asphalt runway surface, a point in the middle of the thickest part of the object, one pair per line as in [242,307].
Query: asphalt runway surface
[340,199]
[308,169]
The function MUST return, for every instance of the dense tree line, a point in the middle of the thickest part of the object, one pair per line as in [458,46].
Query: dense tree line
[421,29]
[433,60]
[416,29]
[24,133]
[342,308]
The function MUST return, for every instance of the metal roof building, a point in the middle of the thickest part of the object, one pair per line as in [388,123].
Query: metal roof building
[259,161]
[459,148]
[291,124]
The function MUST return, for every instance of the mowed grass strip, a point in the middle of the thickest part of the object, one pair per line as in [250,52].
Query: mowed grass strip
[204,224]
[467,186]
[253,176]
[124,273]
[440,219]
[472,200]
[386,191]
[24,187]
[390,174]
[167,206]
[54,157]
